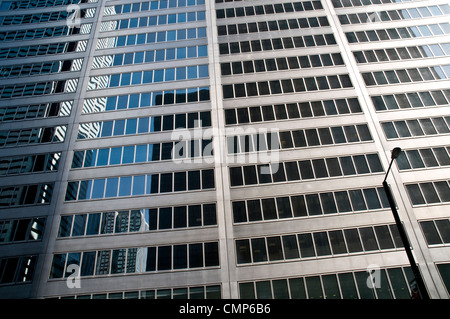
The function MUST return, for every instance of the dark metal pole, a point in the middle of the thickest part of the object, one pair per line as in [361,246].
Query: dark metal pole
[415,269]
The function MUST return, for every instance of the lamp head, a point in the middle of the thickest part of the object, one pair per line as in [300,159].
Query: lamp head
[396,152]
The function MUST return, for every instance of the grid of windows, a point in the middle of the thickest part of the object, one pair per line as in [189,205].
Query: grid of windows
[53,134]
[38,88]
[17,269]
[49,32]
[30,4]
[35,111]
[274,25]
[151,37]
[43,49]
[285,86]
[305,169]
[142,153]
[277,43]
[416,127]
[150,21]
[303,138]
[126,186]
[278,112]
[398,33]
[283,63]
[149,56]
[132,126]
[152,76]
[317,244]
[411,100]
[424,157]
[33,194]
[44,17]
[295,206]
[40,68]
[428,192]
[403,53]
[29,164]
[150,6]
[194,292]
[18,230]
[431,73]
[145,99]
[137,260]
[437,232]
[395,15]
[358,3]
[268,9]
[347,285]
[137,220]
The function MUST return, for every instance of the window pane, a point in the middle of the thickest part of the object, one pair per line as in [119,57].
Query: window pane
[368,238]
[444,228]
[299,205]
[343,202]
[399,284]
[348,286]
[259,249]
[314,287]
[243,251]
[254,210]
[269,209]
[322,244]
[384,237]
[290,247]
[195,255]
[415,194]
[284,207]
[337,242]
[429,192]
[353,241]
[306,245]
[430,232]
[331,287]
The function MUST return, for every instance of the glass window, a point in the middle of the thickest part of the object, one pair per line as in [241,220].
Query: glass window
[331,287]
[284,207]
[322,244]
[290,247]
[79,224]
[259,249]
[164,257]
[306,169]
[93,224]
[343,201]
[384,237]
[274,248]
[353,240]
[180,217]
[87,264]
[348,287]
[368,238]
[254,210]
[306,245]
[180,256]
[125,186]
[429,192]
[365,292]
[314,287]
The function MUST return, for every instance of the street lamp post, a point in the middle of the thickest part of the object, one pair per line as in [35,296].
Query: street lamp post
[415,269]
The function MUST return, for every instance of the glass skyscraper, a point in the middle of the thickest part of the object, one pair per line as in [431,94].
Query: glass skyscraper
[223,149]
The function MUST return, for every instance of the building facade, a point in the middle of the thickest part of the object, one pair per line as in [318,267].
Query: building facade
[222,149]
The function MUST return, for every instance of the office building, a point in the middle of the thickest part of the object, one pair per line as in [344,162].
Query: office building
[222,149]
